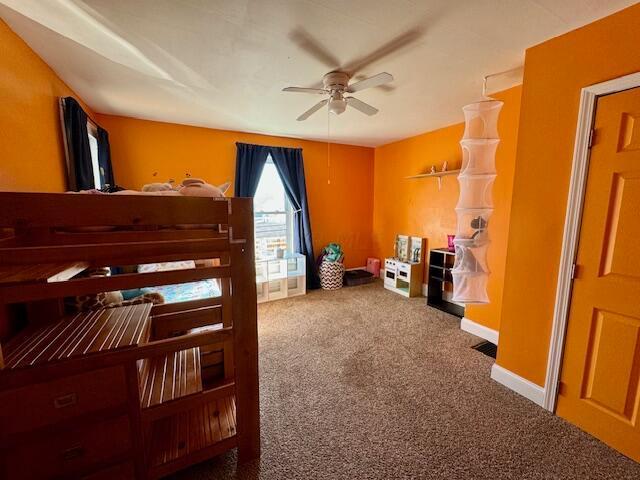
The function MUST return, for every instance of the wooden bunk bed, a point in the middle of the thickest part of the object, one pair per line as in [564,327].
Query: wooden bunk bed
[119,392]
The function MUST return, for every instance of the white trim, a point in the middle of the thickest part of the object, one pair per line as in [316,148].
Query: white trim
[579,171]
[520,385]
[355,268]
[479,330]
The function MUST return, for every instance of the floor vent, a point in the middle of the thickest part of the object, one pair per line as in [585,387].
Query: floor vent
[488,348]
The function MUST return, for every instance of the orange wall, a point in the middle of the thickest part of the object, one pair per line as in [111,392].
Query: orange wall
[555,72]
[341,211]
[416,207]
[31,147]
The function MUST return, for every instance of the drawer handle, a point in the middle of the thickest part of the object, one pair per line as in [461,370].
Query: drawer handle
[73,452]
[65,400]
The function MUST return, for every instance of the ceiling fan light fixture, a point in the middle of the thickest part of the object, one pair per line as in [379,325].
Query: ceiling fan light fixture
[337,105]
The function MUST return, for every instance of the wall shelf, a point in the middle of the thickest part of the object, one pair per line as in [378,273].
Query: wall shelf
[437,175]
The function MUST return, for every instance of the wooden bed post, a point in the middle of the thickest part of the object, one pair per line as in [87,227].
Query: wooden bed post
[4,327]
[245,327]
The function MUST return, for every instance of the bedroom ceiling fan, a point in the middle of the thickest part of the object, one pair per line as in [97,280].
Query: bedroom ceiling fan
[336,85]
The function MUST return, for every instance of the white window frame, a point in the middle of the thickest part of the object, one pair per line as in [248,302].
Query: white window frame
[92,133]
[288,211]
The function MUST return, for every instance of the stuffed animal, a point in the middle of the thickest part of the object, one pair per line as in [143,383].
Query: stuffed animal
[196,187]
[190,187]
[158,187]
[82,303]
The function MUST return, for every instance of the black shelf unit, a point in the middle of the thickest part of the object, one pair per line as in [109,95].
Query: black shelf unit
[441,262]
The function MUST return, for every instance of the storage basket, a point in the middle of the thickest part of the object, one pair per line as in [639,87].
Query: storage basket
[331,275]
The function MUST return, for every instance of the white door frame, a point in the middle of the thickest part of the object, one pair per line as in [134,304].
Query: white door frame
[579,171]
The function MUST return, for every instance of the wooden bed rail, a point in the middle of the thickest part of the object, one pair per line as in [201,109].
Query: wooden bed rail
[34,210]
[12,378]
[82,286]
[116,253]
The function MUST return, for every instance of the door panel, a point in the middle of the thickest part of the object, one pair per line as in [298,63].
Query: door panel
[610,380]
[621,253]
[600,378]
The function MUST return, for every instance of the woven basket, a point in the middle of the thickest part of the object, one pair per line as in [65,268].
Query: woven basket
[331,275]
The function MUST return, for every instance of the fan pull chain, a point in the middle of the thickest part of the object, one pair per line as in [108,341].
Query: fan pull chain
[328,147]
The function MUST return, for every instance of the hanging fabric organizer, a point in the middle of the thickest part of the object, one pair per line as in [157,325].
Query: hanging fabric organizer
[475,205]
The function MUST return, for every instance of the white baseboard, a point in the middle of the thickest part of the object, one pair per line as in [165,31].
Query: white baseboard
[356,268]
[520,385]
[479,330]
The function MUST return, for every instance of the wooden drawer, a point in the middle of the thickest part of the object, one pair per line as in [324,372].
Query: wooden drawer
[122,471]
[70,454]
[35,406]
[213,357]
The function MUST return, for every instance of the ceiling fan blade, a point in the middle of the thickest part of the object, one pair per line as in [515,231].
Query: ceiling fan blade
[375,81]
[304,90]
[388,48]
[312,110]
[385,88]
[306,42]
[360,105]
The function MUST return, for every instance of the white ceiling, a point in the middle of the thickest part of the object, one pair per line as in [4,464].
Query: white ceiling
[222,64]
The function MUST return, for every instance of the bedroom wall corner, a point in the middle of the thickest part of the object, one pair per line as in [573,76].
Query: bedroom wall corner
[31,145]
[417,207]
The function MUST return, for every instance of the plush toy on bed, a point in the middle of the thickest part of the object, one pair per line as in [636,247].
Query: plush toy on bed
[159,187]
[82,303]
[189,187]
[196,187]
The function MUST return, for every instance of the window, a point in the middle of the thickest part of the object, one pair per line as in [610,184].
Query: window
[272,214]
[98,174]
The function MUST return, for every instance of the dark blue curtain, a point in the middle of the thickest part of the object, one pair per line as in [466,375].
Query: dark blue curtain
[104,158]
[75,123]
[290,166]
[250,160]
[77,136]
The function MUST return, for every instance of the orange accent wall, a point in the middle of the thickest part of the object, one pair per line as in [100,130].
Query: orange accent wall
[416,207]
[555,72]
[341,211]
[31,147]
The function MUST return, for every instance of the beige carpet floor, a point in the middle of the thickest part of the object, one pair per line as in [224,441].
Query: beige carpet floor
[364,384]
